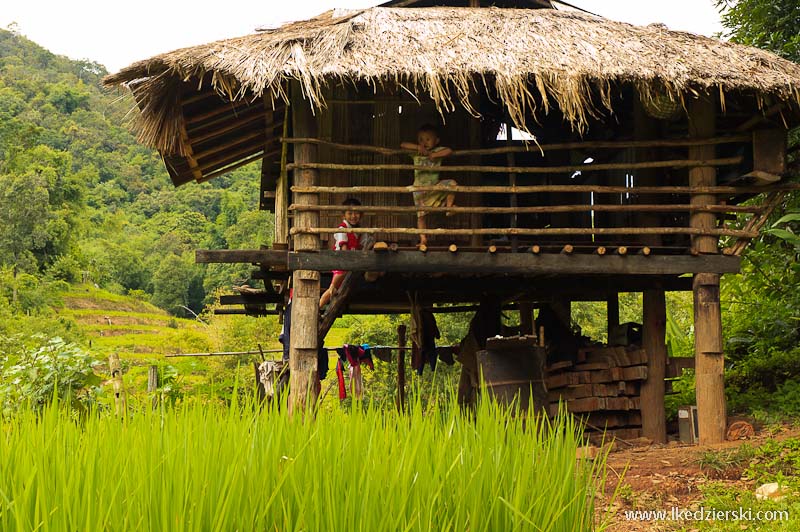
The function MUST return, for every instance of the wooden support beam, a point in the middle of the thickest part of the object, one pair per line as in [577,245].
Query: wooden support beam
[265,257]
[232,167]
[510,263]
[654,419]
[251,299]
[709,356]
[337,304]
[401,368]
[612,313]
[525,318]
[282,193]
[709,359]
[305,302]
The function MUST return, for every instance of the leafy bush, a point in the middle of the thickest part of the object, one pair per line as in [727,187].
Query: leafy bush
[33,374]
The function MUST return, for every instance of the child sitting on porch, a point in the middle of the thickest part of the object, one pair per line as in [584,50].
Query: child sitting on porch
[344,241]
[429,153]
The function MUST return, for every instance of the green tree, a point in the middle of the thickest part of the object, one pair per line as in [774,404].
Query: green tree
[770,24]
[24,216]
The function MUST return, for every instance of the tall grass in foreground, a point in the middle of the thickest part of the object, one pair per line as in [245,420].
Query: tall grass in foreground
[214,468]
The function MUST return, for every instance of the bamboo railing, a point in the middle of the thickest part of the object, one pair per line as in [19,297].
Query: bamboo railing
[757,213]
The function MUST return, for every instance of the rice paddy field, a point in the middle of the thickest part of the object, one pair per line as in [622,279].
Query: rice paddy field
[201,467]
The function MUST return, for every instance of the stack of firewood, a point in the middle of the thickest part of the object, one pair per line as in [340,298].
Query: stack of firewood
[601,387]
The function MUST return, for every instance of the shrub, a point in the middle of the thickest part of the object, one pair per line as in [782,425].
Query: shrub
[34,374]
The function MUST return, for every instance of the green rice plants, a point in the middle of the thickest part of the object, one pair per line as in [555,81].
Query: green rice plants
[208,467]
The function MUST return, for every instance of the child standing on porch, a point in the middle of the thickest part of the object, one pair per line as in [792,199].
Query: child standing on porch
[344,240]
[427,152]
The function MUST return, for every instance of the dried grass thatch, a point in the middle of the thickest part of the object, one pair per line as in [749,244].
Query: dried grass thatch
[532,59]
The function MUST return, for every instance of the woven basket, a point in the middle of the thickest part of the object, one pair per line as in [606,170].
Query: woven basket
[661,106]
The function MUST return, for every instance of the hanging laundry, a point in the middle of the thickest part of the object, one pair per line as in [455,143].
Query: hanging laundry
[424,333]
[382,353]
[354,356]
[446,353]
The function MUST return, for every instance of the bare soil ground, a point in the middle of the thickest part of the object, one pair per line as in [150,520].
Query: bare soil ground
[659,477]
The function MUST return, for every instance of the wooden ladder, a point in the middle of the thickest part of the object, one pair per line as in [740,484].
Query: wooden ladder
[337,304]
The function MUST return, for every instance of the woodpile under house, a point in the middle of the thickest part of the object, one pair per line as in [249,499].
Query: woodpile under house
[592,157]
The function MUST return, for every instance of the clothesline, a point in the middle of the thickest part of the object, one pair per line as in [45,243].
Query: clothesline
[280,350]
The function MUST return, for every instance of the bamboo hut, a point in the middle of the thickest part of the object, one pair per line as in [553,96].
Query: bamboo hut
[592,157]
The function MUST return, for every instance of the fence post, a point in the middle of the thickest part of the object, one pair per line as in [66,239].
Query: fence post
[401,367]
[120,400]
[152,384]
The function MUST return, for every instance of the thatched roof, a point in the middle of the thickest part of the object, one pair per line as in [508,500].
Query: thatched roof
[532,58]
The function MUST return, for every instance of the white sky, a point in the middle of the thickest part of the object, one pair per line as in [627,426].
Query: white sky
[117,34]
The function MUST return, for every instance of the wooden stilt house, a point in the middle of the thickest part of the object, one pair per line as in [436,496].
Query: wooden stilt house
[592,157]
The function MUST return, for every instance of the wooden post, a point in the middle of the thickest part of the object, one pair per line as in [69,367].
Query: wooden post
[475,141]
[525,317]
[120,400]
[709,359]
[612,313]
[401,368]
[647,128]
[152,384]
[654,420]
[282,190]
[305,283]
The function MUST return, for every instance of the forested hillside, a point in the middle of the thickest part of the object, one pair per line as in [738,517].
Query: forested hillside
[81,200]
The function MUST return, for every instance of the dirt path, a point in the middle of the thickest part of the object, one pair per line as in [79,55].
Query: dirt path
[660,477]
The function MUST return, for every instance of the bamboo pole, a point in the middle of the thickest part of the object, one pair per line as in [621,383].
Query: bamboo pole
[538,189]
[235,142]
[676,163]
[190,158]
[633,207]
[713,232]
[232,107]
[232,167]
[198,97]
[756,223]
[282,192]
[228,158]
[539,148]
[243,120]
